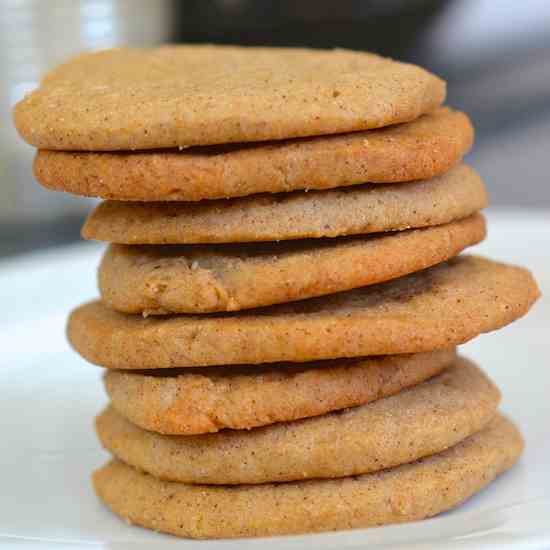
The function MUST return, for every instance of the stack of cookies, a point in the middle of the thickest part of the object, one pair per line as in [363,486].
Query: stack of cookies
[282,295]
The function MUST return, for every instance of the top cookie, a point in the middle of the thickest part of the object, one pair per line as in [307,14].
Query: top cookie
[179,96]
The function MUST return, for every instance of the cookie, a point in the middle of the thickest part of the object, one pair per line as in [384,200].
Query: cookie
[421,149]
[432,309]
[209,399]
[298,215]
[201,279]
[409,492]
[417,422]
[178,96]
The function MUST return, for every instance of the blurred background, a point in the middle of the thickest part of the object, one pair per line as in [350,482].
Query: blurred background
[495,55]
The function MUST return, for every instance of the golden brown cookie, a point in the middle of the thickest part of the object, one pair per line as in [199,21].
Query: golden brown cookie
[421,149]
[432,309]
[178,96]
[231,277]
[414,423]
[409,492]
[349,211]
[208,399]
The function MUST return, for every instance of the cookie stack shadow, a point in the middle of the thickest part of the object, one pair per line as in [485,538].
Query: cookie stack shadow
[279,313]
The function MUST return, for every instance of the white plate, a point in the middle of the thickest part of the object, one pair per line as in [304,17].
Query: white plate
[50,396]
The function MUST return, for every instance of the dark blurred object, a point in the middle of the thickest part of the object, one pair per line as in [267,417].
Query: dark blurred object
[18,238]
[389,27]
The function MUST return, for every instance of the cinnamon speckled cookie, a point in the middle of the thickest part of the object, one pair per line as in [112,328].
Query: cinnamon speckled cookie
[298,215]
[416,422]
[231,277]
[409,492]
[178,96]
[421,149]
[436,308]
[208,399]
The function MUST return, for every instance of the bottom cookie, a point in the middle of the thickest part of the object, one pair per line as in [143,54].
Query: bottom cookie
[406,493]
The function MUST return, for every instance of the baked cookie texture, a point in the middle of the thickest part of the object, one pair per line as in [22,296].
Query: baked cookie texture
[409,492]
[419,421]
[421,149]
[436,308]
[283,288]
[209,399]
[154,280]
[178,96]
[355,210]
